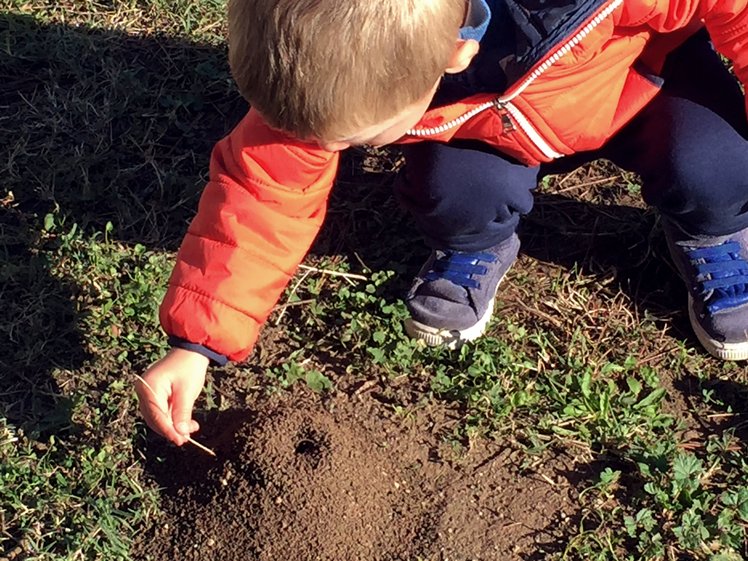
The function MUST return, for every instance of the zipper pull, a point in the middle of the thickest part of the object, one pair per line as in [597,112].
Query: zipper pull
[507,123]
[506,120]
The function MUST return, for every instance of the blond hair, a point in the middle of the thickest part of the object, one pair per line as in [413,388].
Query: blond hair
[324,68]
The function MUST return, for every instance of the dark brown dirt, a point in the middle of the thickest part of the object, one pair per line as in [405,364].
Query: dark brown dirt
[305,478]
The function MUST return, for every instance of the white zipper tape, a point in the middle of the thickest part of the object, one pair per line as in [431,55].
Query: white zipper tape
[453,123]
[499,102]
[531,132]
[563,49]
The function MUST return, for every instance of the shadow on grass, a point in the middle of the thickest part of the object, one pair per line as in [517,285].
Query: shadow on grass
[95,127]
[110,127]
[38,332]
[609,240]
[718,405]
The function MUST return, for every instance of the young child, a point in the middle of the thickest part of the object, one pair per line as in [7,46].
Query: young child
[485,95]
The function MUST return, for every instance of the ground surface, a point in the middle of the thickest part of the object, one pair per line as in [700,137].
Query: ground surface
[303,477]
[588,425]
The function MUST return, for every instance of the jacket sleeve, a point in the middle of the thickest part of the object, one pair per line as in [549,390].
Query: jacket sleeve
[725,20]
[262,208]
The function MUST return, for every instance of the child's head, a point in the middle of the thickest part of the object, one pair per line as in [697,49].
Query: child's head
[347,72]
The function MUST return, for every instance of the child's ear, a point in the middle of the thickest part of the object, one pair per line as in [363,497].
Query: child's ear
[462,56]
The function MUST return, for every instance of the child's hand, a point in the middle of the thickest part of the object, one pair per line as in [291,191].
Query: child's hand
[176,381]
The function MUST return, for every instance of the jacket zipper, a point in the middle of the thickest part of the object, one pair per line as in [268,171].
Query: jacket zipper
[507,110]
[512,114]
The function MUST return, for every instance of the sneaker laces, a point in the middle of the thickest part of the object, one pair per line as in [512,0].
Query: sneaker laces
[460,268]
[722,274]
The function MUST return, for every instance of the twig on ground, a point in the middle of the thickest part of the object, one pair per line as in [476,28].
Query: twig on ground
[548,480]
[361,262]
[587,184]
[189,438]
[349,276]
[296,303]
[291,295]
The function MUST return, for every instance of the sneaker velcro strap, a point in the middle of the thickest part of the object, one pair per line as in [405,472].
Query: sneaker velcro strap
[727,302]
[723,272]
[731,250]
[459,279]
[722,268]
[459,268]
[467,268]
[734,281]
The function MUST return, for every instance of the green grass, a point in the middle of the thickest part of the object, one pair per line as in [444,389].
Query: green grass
[106,127]
[69,501]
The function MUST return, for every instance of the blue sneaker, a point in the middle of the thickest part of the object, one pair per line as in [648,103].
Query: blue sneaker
[715,270]
[452,298]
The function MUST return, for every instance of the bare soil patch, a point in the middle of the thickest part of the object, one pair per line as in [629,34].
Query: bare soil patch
[305,477]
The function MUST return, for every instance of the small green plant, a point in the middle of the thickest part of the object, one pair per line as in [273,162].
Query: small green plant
[676,504]
[611,412]
[294,370]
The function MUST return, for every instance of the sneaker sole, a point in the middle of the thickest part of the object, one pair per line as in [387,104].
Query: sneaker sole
[725,351]
[450,338]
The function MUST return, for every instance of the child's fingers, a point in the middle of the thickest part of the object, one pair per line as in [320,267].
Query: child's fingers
[181,413]
[154,415]
[194,426]
[161,423]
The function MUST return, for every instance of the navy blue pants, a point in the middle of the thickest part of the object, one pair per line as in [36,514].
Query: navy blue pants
[689,146]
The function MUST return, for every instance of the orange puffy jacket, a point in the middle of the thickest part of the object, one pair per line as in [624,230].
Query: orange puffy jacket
[267,194]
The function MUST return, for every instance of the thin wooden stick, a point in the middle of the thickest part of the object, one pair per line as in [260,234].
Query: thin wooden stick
[189,438]
[290,295]
[349,276]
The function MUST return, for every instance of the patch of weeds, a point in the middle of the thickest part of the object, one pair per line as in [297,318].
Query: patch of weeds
[706,515]
[119,290]
[63,501]
[494,377]
[294,370]
[612,408]
[672,504]
[360,318]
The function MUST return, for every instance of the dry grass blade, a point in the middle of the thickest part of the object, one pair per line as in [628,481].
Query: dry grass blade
[189,438]
[347,276]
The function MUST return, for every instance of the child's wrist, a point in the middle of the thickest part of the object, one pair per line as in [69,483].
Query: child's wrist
[213,357]
[195,359]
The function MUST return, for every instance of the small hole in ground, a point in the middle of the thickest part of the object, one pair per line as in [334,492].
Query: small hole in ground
[311,447]
[308,448]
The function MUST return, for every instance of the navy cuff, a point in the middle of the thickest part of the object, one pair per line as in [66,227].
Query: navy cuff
[215,358]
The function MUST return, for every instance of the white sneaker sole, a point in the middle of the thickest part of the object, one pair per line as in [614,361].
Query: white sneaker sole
[450,338]
[725,351]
